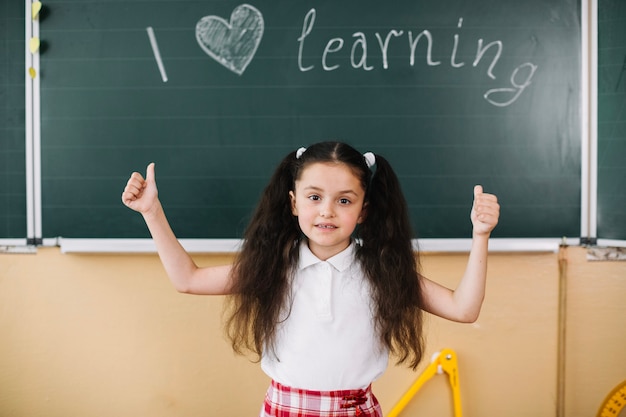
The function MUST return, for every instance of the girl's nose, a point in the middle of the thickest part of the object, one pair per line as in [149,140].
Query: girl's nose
[326,212]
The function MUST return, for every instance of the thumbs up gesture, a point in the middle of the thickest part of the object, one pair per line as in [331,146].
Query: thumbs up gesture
[141,194]
[485,211]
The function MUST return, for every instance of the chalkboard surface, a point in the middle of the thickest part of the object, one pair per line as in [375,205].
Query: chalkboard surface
[452,92]
[12,122]
[611,119]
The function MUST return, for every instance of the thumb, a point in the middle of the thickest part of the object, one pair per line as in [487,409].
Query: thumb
[478,189]
[150,173]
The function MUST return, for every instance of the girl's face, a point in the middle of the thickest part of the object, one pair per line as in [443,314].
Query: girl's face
[329,202]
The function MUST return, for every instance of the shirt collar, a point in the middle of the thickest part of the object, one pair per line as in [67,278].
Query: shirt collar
[340,262]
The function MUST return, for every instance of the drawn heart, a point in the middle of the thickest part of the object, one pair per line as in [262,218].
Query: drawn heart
[232,44]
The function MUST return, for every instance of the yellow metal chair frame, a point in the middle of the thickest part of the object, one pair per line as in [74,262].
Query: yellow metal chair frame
[444,361]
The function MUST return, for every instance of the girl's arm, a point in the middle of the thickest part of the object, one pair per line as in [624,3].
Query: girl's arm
[464,303]
[141,195]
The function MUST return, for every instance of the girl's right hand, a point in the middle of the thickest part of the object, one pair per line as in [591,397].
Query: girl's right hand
[141,194]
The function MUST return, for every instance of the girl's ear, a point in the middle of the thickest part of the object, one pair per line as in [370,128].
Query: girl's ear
[292,197]
[363,215]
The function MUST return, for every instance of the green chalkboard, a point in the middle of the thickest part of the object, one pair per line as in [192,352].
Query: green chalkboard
[611,219]
[452,92]
[12,121]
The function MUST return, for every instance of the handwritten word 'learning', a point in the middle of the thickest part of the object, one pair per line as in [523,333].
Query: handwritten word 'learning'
[234,43]
[520,78]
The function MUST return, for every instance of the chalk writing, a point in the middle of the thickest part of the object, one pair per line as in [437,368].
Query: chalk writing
[512,92]
[520,79]
[232,44]
[157,54]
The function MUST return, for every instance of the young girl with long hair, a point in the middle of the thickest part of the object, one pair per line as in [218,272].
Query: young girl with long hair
[327,283]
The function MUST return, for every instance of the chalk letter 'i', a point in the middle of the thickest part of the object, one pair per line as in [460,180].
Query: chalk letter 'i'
[456,44]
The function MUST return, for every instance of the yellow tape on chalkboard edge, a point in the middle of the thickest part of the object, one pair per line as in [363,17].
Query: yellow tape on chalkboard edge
[35,9]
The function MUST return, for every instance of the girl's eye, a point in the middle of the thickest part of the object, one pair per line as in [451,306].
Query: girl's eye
[314,197]
[344,201]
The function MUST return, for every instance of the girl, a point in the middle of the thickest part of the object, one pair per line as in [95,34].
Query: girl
[326,284]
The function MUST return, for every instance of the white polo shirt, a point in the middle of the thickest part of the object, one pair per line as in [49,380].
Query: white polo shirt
[328,341]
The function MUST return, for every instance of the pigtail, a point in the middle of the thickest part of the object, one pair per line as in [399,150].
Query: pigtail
[388,258]
[262,268]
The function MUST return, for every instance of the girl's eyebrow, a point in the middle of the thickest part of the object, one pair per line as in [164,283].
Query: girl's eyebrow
[318,189]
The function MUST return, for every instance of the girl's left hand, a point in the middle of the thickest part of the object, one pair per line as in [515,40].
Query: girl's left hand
[485,211]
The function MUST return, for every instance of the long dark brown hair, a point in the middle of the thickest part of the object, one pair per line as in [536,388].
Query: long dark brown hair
[269,255]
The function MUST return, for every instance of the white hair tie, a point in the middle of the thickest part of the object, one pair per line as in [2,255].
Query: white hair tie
[299,152]
[370,159]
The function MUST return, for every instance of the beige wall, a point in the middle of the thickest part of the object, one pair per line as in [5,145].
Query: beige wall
[106,335]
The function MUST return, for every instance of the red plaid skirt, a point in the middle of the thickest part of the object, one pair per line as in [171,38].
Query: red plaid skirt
[283,401]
